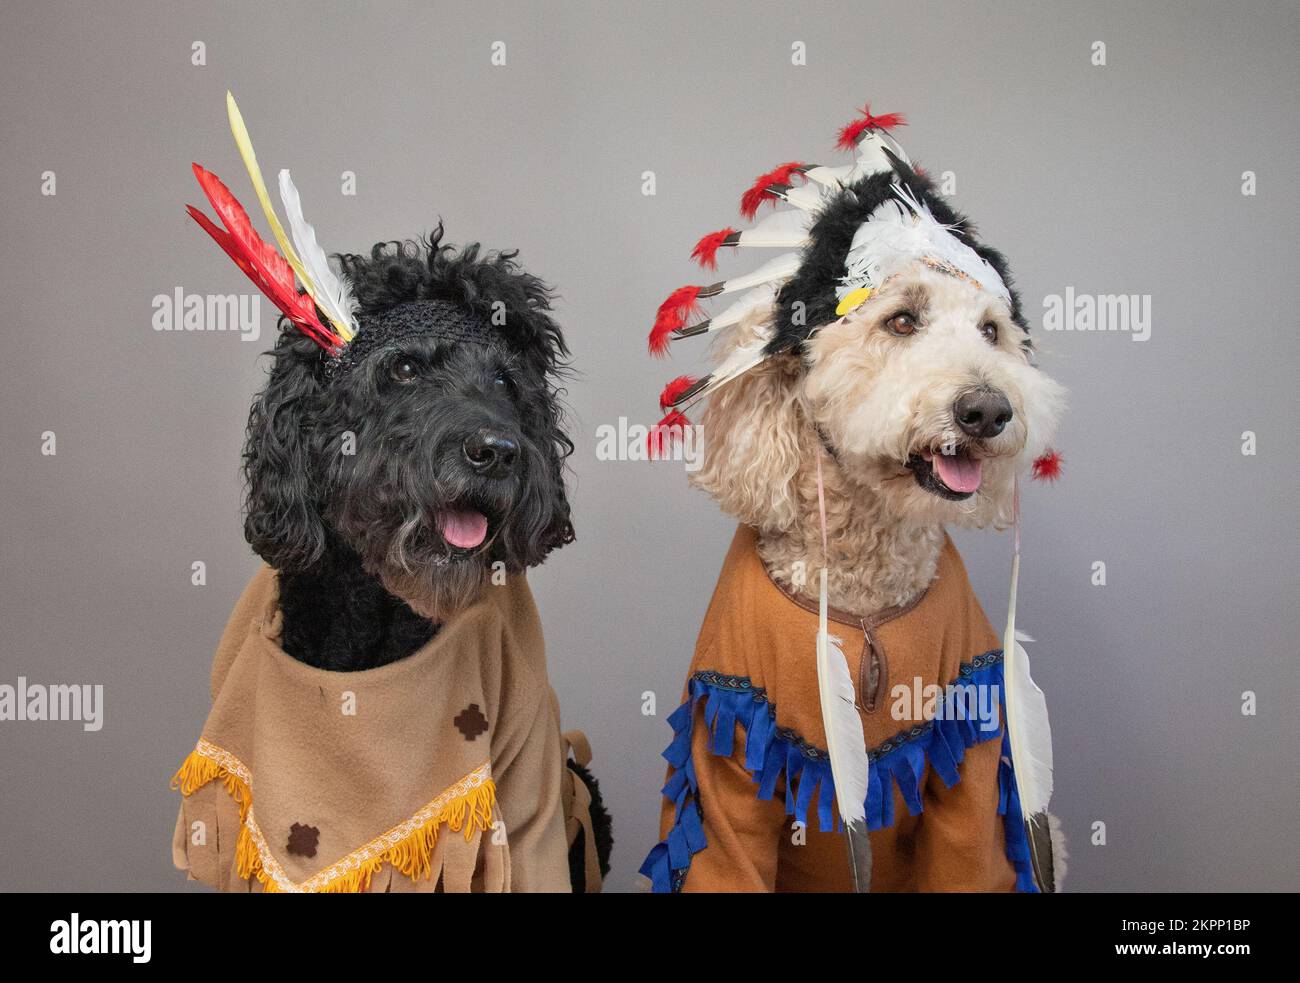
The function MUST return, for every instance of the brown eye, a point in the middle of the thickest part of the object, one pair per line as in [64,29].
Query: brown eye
[403,370]
[990,332]
[901,323]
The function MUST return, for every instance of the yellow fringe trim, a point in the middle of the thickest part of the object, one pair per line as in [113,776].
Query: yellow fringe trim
[199,768]
[464,807]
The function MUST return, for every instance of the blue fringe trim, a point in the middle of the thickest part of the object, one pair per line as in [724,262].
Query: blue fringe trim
[772,751]
[1013,822]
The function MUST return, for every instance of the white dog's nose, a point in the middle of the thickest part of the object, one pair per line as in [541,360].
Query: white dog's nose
[982,413]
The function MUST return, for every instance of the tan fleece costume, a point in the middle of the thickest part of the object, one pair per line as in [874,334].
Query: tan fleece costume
[750,735]
[440,772]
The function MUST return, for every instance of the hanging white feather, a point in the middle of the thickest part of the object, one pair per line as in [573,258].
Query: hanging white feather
[1028,730]
[845,742]
[331,291]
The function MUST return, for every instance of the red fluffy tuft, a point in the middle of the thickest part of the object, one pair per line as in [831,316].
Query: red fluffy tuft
[673,390]
[659,441]
[706,250]
[849,134]
[757,193]
[1047,467]
[673,312]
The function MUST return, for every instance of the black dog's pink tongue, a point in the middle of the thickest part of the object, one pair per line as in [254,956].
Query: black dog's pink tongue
[959,472]
[465,529]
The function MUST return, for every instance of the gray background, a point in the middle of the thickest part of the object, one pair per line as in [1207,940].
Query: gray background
[1124,178]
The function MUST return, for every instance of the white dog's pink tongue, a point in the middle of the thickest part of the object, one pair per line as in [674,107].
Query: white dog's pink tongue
[465,529]
[959,472]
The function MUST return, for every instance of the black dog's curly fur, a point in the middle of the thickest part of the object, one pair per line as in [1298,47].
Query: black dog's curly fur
[831,235]
[601,826]
[353,463]
[349,472]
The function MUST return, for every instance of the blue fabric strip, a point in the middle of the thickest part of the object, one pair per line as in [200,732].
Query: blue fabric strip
[733,701]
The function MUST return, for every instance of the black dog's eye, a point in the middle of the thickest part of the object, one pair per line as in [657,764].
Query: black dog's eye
[403,370]
[990,332]
[902,323]
[504,383]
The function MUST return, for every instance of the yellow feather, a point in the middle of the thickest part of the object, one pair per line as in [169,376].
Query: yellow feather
[245,145]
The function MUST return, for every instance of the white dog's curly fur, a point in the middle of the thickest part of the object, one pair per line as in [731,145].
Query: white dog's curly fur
[870,401]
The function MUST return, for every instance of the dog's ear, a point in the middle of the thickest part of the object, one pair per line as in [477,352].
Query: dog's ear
[545,356]
[752,431]
[537,340]
[283,523]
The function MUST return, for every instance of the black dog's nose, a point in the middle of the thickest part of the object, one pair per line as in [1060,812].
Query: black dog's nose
[982,413]
[492,455]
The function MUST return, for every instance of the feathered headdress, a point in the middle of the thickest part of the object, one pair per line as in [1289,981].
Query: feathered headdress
[845,231]
[323,309]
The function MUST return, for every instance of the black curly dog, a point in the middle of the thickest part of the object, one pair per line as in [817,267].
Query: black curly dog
[360,471]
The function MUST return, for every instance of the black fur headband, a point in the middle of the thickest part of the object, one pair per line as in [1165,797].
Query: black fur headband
[438,319]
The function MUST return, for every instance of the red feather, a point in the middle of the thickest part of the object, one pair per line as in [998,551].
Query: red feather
[757,193]
[674,390]
[673,312]
[236,220]
[665,433]
[1048,466]
[259,260]
[706,250]
[850,133]
[301,312]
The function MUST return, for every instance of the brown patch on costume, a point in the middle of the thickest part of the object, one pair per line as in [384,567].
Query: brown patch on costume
[471,722]
[303,840]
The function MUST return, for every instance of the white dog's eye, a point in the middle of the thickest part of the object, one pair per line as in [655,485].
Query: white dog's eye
[990,332]
[901,323]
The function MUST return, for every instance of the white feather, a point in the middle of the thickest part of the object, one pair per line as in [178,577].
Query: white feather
[871,159]
[871,155]
[761,288]
[331,291]
[845,743]
[781,268]
[809,197]
[902,230]
[831,177]
[736,364]
[1027,725]
[735,312]
[784,227]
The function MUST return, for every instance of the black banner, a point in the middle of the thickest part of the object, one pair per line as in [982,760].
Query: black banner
[1044,935]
